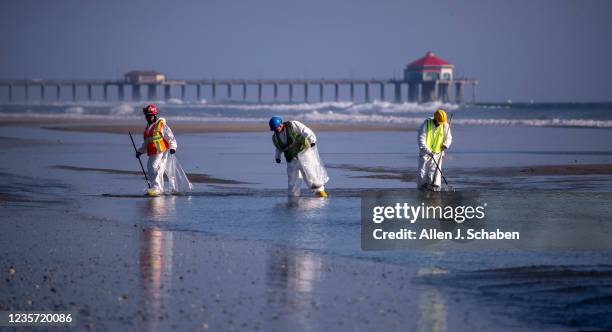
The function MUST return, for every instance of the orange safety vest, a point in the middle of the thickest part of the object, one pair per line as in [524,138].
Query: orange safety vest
[156,143]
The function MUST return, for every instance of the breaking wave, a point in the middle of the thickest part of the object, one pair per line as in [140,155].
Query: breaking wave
[324,117]
[122,109]
[331,116]
[376,112]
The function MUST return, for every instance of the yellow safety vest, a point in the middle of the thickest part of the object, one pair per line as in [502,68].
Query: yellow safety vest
[156,143]
[434,141]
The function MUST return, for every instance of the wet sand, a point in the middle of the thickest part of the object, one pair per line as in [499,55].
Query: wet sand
[193,177]
[97,126]
[138,264]
[543,170]
[464,176]
[140,277]
[10,142]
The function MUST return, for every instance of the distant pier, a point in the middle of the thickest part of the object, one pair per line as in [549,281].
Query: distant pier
[425,80]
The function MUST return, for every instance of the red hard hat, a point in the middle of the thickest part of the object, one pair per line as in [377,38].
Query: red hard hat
[150,110]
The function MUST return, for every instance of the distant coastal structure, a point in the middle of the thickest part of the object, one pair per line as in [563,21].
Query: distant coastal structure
[426,79]
[430,78]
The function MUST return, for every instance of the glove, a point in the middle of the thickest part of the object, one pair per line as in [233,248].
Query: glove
[138,154]
[312,144]
[278,161]
[172,151]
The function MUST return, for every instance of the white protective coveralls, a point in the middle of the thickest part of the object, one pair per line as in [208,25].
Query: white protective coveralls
[295,173]
[429,177]
[156,164]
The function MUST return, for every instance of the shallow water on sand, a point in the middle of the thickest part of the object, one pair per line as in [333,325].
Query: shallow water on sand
[258,208]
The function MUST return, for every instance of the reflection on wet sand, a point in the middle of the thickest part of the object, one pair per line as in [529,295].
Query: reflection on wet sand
[294,275]
[432,311]
[305,205]
[293,278]
[156,251]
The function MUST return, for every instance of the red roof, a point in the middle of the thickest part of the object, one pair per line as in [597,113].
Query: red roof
[429,60]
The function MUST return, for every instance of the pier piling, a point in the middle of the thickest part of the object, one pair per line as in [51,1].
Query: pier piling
[121,92]
[321,88]
[336,91]
[151,91]
[259,91]
[398,92]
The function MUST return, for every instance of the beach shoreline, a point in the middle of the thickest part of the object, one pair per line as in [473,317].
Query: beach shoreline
[122,127]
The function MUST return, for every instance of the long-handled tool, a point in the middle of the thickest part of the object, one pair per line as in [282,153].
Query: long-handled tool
[438,166]
[140,162]
[439,170]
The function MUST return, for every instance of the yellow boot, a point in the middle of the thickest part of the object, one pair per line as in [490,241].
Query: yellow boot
[152,193]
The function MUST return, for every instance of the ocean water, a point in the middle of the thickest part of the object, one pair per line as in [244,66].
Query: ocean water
[589,115]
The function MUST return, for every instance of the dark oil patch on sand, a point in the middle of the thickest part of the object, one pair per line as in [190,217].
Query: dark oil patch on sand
[193,177]
[11,142]
[29,190]
[578,297]
[402,174]
[378,172]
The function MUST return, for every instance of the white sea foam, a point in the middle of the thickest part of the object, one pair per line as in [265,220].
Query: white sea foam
[302,107]
[331,116]
[75,110]
[376,112]
[406,107]
[375,106]
[122,109]
[175,101]
[538,122]
[75,116]
[323,117]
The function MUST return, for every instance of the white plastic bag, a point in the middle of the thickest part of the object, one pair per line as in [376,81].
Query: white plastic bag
[314,172]
[178,183]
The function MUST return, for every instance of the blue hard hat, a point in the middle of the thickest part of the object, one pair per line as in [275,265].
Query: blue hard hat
[275,122]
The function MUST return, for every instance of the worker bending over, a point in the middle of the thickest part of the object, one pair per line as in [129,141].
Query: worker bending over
[297,142]
[433,138]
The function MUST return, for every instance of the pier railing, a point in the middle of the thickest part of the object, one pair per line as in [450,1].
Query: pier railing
[216,89]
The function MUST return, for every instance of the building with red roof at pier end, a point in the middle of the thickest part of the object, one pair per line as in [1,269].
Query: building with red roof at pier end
[430,78]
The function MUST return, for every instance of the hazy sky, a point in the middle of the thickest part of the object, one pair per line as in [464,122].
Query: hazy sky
[520,50]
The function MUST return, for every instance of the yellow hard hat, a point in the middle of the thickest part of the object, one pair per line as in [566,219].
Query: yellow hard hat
[440,116]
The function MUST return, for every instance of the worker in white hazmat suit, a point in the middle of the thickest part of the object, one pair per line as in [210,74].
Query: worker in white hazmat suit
[433,138]
[159,143]
[297,143]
